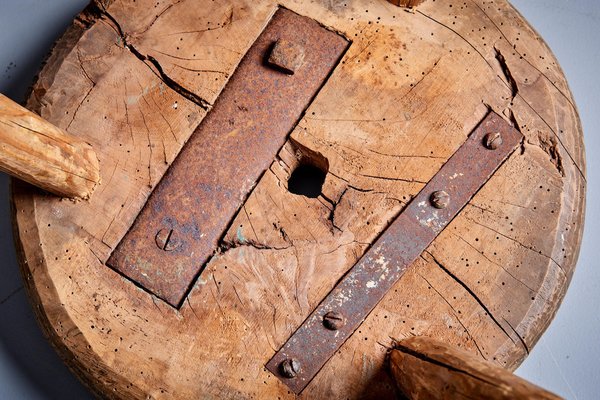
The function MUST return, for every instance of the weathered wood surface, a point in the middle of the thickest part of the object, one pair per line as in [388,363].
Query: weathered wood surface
[426,368]
[38,152]
[134,78]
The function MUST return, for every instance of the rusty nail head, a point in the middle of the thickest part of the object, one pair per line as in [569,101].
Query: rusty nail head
[334,320]
[166,240]
[492,140]
[440,199]
[287,56]
[289,368]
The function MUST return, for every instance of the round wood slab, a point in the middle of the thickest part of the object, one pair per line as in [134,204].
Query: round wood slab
[134,79]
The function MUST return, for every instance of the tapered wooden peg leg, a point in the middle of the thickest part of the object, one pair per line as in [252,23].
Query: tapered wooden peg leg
[44,155]
[425,368]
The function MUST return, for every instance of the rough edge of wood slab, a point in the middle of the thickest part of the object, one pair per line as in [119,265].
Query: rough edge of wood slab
[582,201]
[50,66]
[41,316]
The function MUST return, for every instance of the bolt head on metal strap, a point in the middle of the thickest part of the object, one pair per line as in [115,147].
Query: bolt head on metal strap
[287,56]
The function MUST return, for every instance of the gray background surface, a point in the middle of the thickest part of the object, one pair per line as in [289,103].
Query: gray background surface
[567,358]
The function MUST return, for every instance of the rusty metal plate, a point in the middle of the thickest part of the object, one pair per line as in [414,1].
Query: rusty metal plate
[357,294]
[186,216]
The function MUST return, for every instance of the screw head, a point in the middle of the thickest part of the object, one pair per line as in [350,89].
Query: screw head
[492,140]
[440,199]
[287,56]
[289,367]
[166,239]
[334,320]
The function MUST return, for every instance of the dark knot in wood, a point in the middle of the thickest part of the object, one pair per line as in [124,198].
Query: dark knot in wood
[406,3]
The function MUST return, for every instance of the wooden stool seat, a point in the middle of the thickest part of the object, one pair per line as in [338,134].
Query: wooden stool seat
[412,82]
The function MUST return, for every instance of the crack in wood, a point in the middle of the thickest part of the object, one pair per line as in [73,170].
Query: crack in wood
[521,339]
[550,145]
[149,61]
[510,79]
[511,87]
[455,316]
[471,293]
[547,143]
[514,47]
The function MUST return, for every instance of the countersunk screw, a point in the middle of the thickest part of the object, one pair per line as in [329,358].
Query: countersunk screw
[289,367]
[287,56]
[334,320]
[440,199]
[492,140]
[166,240]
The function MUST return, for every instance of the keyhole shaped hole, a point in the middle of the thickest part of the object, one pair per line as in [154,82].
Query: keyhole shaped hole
[307,180]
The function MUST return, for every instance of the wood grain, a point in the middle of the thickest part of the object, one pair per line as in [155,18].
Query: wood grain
[425,368]
[135,79]
[38,152]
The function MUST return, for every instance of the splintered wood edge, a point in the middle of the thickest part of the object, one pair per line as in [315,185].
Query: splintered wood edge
[24,214]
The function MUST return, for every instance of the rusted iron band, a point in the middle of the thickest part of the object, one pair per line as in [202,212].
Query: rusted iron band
[180,226]
[357,294]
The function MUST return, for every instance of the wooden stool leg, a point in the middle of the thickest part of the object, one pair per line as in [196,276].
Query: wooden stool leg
[38,152]
[425,368]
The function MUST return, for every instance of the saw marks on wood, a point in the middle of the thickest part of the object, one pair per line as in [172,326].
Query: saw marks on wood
[135,79]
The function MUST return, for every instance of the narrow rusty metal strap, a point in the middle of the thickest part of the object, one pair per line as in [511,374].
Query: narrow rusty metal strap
[187,214]
[357,294]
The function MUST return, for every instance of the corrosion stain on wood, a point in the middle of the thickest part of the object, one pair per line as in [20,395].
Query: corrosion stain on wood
[403,99]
